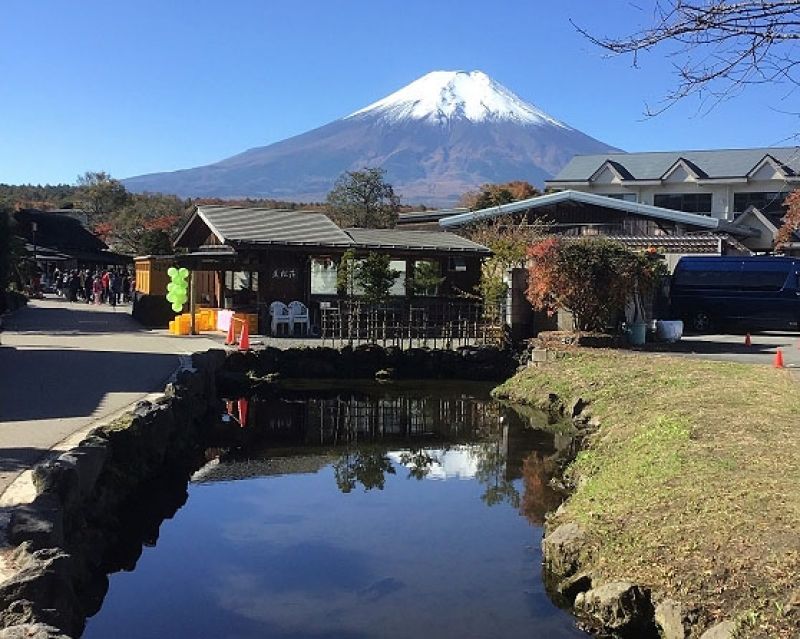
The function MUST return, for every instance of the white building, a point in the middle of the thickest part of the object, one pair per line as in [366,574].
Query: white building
[720,183]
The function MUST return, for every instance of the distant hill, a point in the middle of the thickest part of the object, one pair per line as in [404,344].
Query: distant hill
[438,137]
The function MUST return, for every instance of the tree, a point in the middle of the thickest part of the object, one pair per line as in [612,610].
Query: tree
[100,194]
[594,279]
[509,239]
[363,199]
[791,221]
[5,254]
[722,45]
[427,277]
[362,466]
[143,224]
[497,194]
[375,277]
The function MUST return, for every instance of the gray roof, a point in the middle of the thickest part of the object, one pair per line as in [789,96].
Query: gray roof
[634,208]
[413,240]
[723,163]
[272,226]
[242,225]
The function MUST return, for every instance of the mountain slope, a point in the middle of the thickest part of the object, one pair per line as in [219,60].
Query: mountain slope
[438,137]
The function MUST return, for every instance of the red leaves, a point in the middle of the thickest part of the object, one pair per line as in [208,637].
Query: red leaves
[791,221]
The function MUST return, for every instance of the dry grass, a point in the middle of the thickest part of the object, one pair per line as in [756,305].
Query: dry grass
[690,485]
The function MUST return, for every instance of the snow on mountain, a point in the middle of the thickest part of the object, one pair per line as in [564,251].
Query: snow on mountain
[442,135]
[439,96]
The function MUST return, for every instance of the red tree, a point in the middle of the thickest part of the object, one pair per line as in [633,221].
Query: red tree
[791,221]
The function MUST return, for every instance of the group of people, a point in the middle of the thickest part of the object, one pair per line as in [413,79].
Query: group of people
[101,287]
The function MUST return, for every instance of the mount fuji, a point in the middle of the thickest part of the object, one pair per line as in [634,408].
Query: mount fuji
[438,137]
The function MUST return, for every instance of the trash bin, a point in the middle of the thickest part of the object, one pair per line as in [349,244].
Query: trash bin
[637,333]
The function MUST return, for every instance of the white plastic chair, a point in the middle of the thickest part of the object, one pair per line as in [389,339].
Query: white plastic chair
[279,314]
[299,314]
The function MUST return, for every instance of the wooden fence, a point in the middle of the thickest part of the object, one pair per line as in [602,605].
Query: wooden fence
[437,324]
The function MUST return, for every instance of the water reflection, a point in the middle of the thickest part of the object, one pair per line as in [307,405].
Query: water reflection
[340,513]
[447,432]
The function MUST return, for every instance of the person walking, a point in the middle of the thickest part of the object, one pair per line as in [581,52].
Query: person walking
[126,286]
[88,287]
[106,280]
[113,287]
[97,289]
[74,285]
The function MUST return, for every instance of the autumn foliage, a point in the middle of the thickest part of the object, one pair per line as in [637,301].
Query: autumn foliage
[791,221]
[592,278]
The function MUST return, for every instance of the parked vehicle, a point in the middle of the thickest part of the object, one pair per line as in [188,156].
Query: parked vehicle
[761,292]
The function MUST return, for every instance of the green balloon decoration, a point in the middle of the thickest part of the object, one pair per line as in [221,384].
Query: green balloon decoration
[177,288]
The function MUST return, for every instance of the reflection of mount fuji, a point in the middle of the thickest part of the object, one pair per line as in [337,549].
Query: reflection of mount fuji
[438,137]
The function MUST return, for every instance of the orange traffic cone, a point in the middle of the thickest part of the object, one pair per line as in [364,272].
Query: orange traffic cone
[244,338]
[230,340]
[778,359]
[243,412]
[747,340]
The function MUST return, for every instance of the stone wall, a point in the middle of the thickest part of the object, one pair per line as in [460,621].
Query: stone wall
[480,363]
[60,538]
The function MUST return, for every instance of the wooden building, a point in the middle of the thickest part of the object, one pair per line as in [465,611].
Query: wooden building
[247,258]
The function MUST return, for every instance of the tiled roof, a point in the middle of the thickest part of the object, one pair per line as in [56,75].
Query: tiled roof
[413,240]
[723,163]
[695,243]
[272,226]
[242,225]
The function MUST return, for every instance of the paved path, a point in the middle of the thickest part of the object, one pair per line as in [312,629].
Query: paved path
[65,365]
[731,347]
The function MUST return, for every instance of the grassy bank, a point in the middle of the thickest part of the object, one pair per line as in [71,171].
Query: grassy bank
[690,486]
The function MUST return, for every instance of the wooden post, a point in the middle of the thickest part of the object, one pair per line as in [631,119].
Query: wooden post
[191,300]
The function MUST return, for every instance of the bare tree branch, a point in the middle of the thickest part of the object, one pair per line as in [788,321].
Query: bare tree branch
[722,45]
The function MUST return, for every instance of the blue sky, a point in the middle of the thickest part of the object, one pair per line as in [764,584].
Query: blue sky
[140,86]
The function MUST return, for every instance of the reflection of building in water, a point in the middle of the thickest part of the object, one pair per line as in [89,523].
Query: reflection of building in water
[342,418]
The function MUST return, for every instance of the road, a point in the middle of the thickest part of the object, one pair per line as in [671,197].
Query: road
[66,365]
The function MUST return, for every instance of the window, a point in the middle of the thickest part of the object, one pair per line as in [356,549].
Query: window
[323,276]
[456,264]
[627,197]
[399,285]
[237,280]
[686,202]
[427,277]
[745,280]
[766,202]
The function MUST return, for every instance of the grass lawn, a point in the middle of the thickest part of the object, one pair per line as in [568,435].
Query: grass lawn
[690,486]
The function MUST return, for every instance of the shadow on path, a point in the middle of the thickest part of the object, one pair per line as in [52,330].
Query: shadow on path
[38,384]
[54,317]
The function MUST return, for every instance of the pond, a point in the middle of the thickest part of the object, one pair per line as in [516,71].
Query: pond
[334,512]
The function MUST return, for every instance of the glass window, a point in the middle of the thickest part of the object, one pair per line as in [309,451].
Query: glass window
[323,276]
[399,286]
[627,197]
[458,264]
[237,280]
[427,277]
[766,202]
[686,202]
[742,280]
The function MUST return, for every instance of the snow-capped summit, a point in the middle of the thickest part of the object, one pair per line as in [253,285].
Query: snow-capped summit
[440,136]
[441,96]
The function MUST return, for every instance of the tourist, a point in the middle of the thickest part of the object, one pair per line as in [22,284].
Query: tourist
[73,285]
[126,286]
[106,280]
[97,289]
[115,286]
[88,286]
